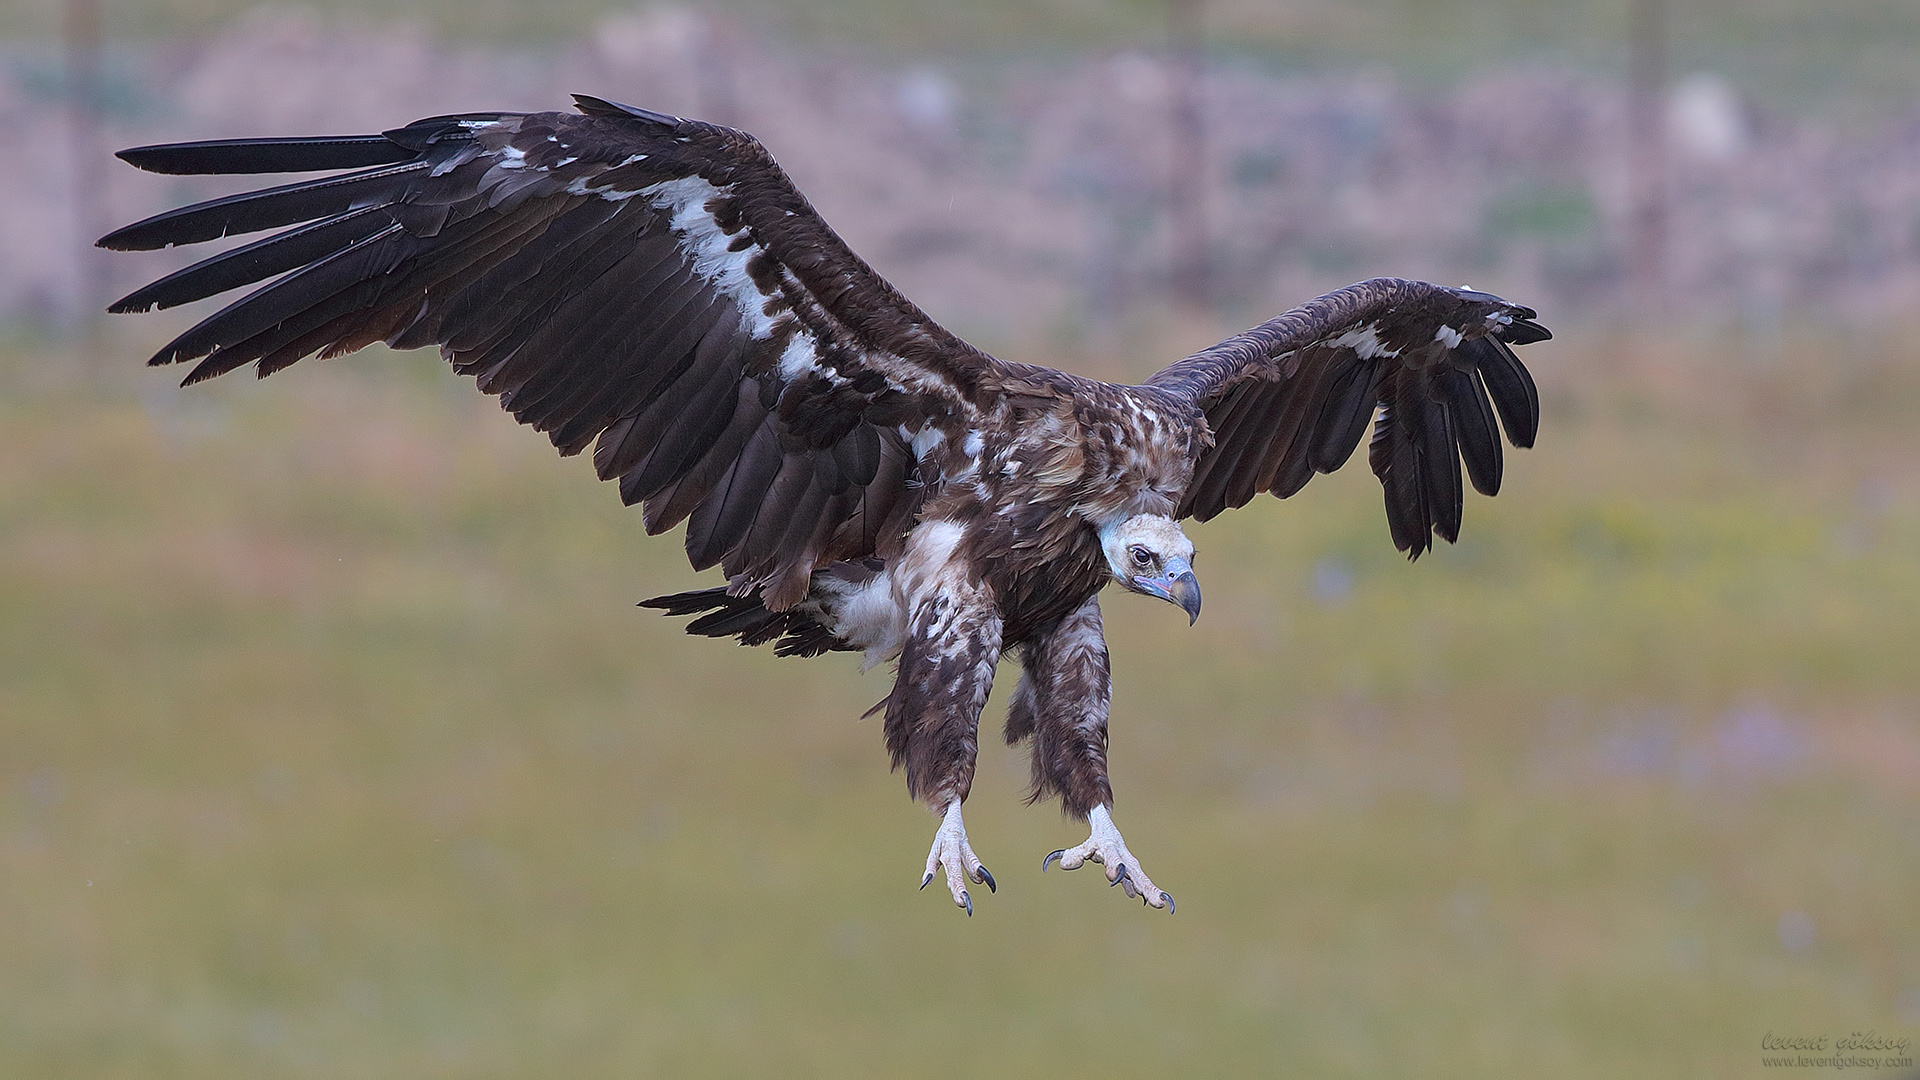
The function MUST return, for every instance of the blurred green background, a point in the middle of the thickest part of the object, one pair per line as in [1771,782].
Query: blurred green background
[335,747]
[332,744]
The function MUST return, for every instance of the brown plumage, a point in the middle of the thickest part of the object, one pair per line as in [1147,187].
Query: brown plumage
[655,289]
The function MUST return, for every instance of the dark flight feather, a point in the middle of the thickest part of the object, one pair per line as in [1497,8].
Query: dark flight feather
[268,209]
[655,288]
[1473,425]
[612,277]
[1436,364]
[238,156]
[1343,419]
[1511,388]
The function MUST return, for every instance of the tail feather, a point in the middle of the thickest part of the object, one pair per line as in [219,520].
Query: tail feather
[793,631]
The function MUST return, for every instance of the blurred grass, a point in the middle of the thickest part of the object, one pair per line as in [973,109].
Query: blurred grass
[1846,56]
[334,746]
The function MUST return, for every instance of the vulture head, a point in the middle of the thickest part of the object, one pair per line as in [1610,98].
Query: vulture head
[1149,554]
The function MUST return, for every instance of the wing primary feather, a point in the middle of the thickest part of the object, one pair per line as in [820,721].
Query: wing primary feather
[266,209]
[239,156]
[314,327]
[257,261]
[378,307]
[1474,426]
[1394,458]
[289,297]
[222,338]
[1510,386]
[1441,457]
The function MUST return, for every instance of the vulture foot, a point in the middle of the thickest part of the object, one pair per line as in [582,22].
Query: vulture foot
[951,850]
[1107,848]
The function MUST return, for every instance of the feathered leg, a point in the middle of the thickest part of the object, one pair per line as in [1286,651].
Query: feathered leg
[1061,704]
[933,719]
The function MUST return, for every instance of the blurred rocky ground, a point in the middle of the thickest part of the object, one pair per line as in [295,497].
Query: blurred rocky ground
[1033,198]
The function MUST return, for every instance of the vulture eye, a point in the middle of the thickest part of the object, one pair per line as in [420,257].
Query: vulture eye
[1141,556]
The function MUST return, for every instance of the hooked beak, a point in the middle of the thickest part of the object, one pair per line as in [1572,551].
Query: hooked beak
[1177,586]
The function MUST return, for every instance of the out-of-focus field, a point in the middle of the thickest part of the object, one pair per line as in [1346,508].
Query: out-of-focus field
[1788,49]
[335,746]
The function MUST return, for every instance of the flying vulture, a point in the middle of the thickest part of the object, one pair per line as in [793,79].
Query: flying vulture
[656,290]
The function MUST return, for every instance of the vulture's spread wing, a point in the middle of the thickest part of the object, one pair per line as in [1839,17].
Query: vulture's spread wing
[650,286]
[1294,396]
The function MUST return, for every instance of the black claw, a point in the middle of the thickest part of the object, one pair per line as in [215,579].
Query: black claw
[986,879]
[925,880]
[1119,876]
[1168,900]
[966,902]
[1049,860]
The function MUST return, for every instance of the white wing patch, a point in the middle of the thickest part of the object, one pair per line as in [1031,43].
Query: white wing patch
[701,237]
[685,200]
[1449,337]
[1365,341]
[799,359]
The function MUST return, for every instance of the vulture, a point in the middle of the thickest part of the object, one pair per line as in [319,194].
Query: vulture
[655,290]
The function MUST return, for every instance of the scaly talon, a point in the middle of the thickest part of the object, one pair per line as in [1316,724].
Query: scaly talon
[1106,847]
[952,853]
